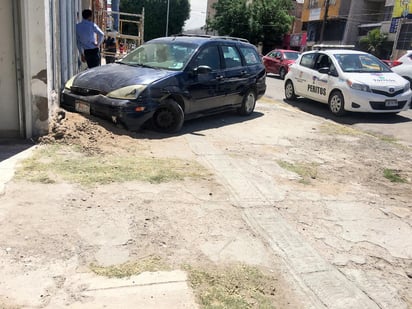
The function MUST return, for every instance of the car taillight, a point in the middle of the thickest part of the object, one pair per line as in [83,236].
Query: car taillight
[395,63]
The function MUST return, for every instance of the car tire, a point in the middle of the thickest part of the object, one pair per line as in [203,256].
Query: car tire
[169,117]
[282,73]
[290,91]
[337,103]
[248,103]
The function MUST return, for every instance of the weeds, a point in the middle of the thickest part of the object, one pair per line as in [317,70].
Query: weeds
[52,163]
[393,175]
[306,171]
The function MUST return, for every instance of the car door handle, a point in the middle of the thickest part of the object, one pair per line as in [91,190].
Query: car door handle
[243,73]
[219,77]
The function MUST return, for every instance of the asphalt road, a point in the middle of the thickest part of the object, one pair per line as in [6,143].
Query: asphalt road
[397,126]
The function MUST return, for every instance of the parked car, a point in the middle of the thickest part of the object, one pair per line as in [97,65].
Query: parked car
[168,80]
[347,80]
[403,66]
[278,61]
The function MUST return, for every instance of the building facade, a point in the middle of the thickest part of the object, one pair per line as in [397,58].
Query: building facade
[346,21]
[37,57]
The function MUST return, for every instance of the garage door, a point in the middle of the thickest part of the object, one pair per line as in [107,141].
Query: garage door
[9,112]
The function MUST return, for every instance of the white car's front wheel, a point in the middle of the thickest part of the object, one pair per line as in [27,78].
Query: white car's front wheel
[337,103]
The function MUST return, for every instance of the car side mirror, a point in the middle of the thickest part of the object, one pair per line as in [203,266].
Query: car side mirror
[202,69]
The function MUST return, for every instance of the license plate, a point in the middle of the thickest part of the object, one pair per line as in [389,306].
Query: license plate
[390,103]
[82,107]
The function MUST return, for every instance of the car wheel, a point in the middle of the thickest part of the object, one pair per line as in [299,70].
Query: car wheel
[169,117]
[290,91]
[337,103]
[248,103]
[282,73]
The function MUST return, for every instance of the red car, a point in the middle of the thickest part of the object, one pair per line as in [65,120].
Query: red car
[278,61]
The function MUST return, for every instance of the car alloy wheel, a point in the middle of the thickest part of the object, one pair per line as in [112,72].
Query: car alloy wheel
[337,103]
[290,91]
[248,104]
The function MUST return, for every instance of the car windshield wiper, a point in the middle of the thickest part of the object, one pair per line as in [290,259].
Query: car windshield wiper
[135,64]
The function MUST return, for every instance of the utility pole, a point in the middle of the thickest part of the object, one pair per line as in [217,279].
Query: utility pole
[167,17]
[325,19]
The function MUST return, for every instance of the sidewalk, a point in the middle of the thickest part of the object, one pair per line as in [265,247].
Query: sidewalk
[148,290]
[11,152]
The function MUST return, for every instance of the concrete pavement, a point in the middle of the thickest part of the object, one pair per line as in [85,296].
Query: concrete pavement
[163,289]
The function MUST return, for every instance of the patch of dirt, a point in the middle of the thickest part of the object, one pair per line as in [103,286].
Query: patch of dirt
[354,217]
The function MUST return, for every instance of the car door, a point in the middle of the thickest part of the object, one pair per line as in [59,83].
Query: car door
[319,88]
[205,88]
[303,75]
[269,62]
[236,74]
[277,62]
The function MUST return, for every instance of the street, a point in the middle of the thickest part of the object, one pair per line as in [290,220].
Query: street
[322,209]
[398,126]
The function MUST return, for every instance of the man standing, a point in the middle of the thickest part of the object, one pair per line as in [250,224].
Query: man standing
[86,33]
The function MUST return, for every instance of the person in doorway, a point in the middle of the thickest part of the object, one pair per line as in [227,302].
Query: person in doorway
[110,49]
[89,38]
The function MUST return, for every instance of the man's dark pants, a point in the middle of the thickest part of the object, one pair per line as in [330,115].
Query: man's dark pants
[92,57]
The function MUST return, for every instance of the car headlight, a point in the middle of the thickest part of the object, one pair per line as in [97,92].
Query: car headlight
[127,93]
[69,83]
[358,86]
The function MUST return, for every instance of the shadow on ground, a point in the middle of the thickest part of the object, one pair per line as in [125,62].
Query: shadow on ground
[11,147]
[322,110]
[192,126]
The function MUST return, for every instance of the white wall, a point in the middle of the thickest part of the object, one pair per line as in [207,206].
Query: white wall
[9,109]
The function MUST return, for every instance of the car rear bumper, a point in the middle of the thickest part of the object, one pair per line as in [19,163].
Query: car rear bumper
[118,111]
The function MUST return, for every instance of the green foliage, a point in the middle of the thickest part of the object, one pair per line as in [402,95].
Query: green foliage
[393,175]
[232,18]
[270,20]
[374,42]
[155,16]
[259,21]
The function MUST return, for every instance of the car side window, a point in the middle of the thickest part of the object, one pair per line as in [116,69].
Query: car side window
[250,55]
[323,61]
[231,56]
[209,56]
[308,60]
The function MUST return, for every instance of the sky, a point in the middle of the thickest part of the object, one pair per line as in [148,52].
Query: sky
[197,14]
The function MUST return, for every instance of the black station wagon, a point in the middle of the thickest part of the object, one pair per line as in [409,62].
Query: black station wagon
[169,80]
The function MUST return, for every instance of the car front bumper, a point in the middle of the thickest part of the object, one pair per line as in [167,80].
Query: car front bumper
[118,111]
[361,101]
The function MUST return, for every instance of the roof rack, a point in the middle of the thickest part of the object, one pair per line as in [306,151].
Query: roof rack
[326,46]
[212,37]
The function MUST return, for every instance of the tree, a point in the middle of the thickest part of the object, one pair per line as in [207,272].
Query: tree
[264,21]
[375,43]
[270,21]
[155,16]
[232,18]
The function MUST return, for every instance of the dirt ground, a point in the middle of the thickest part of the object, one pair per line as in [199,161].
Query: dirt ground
[326,181]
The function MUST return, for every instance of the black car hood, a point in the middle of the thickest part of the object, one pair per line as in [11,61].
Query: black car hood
[113,76]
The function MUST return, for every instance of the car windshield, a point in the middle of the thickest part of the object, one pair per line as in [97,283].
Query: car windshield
[291,55]
[161,55]
[360,63]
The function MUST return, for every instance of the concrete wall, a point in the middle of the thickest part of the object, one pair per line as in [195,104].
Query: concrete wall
[36,104]
[9,104]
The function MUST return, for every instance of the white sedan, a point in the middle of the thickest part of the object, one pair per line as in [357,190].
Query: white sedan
[347,80]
